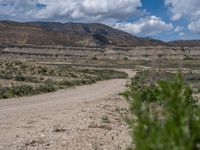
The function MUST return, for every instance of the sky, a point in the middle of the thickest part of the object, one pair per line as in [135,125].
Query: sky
[161,19]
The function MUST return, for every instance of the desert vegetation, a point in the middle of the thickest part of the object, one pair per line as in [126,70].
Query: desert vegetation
[164,114]
[24,79]
[163,107]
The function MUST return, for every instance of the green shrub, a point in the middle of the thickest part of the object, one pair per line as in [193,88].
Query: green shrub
[6,76]
[32,79]
[82,77]
[47,87]
[68,83]
[94,58]
[188,58]
[43,70]
[23,90]
[20,78]
[179,128]
[125,58]
[5,92]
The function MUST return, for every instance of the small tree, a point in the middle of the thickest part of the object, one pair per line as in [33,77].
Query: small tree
[180,127]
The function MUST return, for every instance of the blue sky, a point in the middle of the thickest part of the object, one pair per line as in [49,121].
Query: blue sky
[162,19]
[159,9]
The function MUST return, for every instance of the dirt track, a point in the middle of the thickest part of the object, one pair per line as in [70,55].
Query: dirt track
[87,117]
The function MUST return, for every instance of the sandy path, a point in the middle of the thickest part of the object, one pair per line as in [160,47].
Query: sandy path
[87,117]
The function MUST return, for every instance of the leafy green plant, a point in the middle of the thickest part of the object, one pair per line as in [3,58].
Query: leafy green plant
[5,92]
[20,78]
[48,86]
[174,124]
[27,79]
[22,90]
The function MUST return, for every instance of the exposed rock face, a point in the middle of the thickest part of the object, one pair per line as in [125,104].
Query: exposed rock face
[42,33]
[110,52]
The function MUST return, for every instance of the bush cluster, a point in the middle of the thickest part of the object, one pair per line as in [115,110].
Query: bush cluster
[27,79]
[179,128]
[20,77]
[8,92]
[20,71]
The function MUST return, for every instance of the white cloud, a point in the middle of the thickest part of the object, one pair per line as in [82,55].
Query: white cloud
[178,29]
[194,26]
[146,26]
[17,9]
[189,9]
[70,10]
[181,8]
[181,34]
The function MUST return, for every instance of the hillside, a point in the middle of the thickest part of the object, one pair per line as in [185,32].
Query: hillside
[185,43]
[43,33]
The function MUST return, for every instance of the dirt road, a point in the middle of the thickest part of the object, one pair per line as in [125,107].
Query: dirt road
[87,117]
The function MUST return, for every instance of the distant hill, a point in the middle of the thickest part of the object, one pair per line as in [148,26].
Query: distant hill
[52,33]
[185,43]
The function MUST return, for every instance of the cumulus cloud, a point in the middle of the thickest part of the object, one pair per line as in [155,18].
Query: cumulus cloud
[181,8]
[178,29]
[181,34]
[146,26]
[186,8]
[194,26]
[116,13]
[70,10]
[18,9]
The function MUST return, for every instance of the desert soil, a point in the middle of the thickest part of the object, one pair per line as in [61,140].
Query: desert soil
[83,118]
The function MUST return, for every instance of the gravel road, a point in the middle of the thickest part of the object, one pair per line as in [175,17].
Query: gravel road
[87,117]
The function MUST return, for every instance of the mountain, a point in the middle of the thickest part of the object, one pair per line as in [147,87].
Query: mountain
[52,33]
[184,43]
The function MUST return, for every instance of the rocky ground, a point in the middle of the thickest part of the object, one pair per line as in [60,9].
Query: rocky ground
[84,118]
[87,126]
